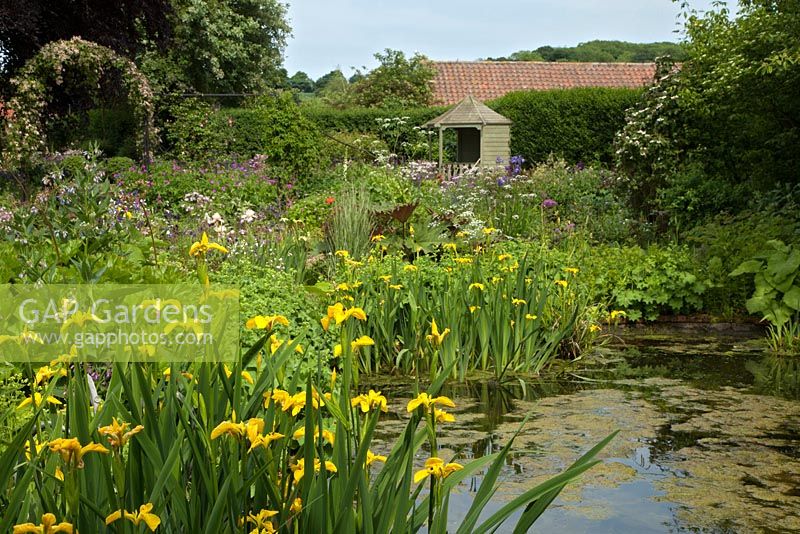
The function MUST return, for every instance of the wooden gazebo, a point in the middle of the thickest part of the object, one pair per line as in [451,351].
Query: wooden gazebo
[483,134]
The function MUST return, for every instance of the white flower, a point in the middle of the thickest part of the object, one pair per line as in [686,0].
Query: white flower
[214,220]
[248,216]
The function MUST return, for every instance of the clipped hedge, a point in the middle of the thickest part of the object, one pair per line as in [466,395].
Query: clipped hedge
[365,120]
[573,124]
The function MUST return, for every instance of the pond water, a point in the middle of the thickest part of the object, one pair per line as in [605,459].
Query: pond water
[709,436]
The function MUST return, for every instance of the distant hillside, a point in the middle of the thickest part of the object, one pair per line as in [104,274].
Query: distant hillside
[600,52]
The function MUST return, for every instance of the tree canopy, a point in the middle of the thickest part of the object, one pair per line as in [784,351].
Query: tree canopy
[729,117]
[207,46]
[397,81]
[125,27]
[601,52]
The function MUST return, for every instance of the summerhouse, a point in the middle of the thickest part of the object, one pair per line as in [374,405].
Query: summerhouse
[483,135]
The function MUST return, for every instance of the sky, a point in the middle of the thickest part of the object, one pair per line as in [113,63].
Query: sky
[330,34]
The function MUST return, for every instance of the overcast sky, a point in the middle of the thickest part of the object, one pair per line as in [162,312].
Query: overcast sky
[346,33]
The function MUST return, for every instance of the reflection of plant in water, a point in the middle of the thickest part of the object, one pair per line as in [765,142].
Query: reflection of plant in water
[776,374]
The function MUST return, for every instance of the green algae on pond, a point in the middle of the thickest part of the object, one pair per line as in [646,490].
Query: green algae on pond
[699,448]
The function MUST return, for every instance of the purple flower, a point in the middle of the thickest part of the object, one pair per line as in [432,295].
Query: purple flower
[549,203]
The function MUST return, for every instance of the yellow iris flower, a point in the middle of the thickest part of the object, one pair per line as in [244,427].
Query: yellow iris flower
[254,429]
[143,515]
[232,428]
[339,314]
[477,285]
[426,401]
[299,468]
[116,432]
[374,458]
[436,337]
[36,400]
[562,283]
[246,376]
[437,468]
[370,400]
[297,506]
[72,452]
[47,526]
[518,302]
[442,416]
[45,373]
[262,521]
[266,322]
[200,248]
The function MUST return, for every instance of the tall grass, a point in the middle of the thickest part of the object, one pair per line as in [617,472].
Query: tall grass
[351,223]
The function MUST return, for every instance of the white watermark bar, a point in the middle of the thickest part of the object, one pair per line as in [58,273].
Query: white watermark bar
[104,323]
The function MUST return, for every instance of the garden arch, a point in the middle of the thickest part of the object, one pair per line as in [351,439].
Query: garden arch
[24,127]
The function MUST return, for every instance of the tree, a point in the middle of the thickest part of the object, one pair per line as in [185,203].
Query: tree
[334,89]
[27,25]
[729,119]
[397,81]
[602,52]
[333,81]
[302,82]
[223,46]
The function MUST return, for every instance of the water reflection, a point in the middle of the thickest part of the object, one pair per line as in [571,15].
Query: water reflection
[776,374]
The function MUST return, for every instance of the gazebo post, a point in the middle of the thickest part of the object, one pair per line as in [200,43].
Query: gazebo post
[441,149]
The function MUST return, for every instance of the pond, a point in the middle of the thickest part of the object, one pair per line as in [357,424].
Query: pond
[709,436]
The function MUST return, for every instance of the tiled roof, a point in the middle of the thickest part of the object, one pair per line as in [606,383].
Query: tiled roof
[468,112]
[486,80]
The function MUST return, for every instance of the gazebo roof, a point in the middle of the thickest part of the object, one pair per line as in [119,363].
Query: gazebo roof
[468,112]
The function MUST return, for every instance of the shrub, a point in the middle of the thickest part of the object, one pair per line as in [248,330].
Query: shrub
[574,124]
[645,283]
[272,126]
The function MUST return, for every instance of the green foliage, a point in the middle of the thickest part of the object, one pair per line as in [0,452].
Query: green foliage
[198,189]
[117,165]
[645,283]
[397,82]
[12,386]
[723,126]
[776,296]
[602,52]
[267,291]
[722,243]
[365,120]
[270,126]
[222,46]
[573,124]
[83,229]
[399,133]
[736,80]
[302,83]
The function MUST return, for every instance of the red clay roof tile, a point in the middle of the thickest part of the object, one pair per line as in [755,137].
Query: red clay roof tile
[486,80]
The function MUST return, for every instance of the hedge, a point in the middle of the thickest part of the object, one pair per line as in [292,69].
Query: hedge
[365,120]
[575,124]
